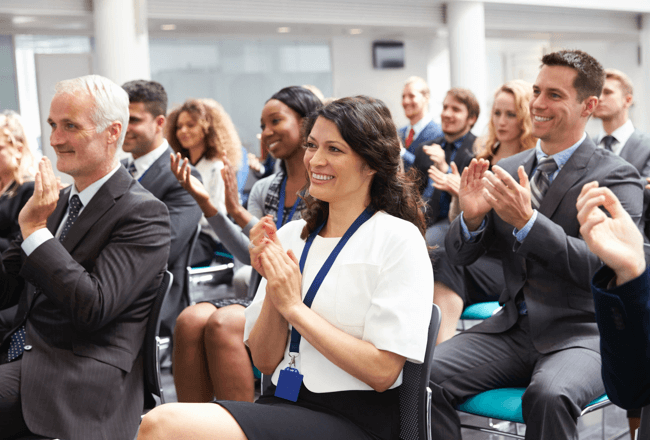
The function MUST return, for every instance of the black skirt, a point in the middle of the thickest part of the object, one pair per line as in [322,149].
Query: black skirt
[363,415]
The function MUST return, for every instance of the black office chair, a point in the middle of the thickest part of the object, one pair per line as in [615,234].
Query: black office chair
[152,347]
[415,394]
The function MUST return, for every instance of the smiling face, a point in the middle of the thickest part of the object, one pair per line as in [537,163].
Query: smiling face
[144,132]
[81,152]
[190,132]
[455,118]
[558,118]
[281,129]
[337,174]
[414,102]
[504,118]
[613,101]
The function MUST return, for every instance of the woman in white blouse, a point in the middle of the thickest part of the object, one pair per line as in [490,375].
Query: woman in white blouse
[362,234]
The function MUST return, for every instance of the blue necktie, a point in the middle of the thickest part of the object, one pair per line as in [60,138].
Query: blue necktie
[17,343]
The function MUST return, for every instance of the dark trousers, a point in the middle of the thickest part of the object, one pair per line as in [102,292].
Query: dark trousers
[11,414]
[559,384]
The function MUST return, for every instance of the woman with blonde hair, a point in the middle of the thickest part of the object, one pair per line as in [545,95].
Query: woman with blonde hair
[16,185]
[509,133]
[203,132]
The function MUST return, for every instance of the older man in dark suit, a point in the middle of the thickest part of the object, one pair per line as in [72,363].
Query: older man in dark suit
[91,260]
[545,337]
[149,165]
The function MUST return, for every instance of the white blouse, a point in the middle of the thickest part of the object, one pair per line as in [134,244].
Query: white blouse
[380,290]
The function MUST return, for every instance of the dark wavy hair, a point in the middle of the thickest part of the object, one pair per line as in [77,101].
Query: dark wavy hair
[298,99]
[366,125]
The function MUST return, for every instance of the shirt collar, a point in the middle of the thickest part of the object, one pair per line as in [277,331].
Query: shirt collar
[420,125]
[143,163]
[87,194]
[458,142]
[621,134]
[563,156]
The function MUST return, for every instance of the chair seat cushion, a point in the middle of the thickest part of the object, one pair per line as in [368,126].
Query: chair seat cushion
[480,310]
[503,404]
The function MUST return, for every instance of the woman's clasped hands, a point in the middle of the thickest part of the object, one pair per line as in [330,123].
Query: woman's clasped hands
[281,269]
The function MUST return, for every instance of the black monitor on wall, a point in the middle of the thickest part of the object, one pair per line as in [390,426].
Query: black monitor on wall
[388,54]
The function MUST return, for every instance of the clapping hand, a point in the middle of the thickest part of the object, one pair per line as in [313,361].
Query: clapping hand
[509,199]
[181,170]
[232,191]
[437,156]
[615,240]
[42,203]
[449,182]
[470,194]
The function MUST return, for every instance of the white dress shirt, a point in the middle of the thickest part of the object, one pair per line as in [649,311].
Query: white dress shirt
[143,163]
[621,134]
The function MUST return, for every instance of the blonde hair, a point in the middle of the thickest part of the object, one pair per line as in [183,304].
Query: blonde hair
[522,92]
[220,133]
[626,82]
[11,127]
[417,80]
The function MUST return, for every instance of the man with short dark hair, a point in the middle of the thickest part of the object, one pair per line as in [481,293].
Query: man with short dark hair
[618,134]
[545,337]
[87,267]
[460,110]
[150,165]
[421,129]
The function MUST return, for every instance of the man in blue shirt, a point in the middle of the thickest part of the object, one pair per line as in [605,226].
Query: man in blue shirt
[545,337]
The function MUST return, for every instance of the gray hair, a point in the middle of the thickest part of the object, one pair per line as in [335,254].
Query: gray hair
[423,84]
[111,101]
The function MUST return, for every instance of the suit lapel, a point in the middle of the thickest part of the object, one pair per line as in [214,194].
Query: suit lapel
[155,170]
[102,202]
[570,173]
[54,220]
[630,147]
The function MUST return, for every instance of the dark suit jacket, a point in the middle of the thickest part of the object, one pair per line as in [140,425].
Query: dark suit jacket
[553,266]
[426,137]
[637,152]
[423,162]
[85,303]
[184,216]
[623,316]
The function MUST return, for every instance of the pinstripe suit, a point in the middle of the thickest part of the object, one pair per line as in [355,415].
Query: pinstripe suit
[85,303]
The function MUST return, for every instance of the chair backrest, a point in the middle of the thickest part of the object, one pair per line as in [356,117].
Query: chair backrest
[414,393]
[152,381]
[190,251]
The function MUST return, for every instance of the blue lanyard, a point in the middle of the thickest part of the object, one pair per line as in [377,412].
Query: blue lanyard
[322,273]
[278,222]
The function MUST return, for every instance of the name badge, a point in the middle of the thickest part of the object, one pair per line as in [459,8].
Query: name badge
[289,384]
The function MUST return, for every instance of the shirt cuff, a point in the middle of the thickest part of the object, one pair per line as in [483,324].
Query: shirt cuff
[408,157]
[471,236]
[521,235]
[35,240]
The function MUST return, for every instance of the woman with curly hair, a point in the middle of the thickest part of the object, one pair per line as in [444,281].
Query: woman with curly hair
[203,132]
[210,358]
[363,234]
[509,132]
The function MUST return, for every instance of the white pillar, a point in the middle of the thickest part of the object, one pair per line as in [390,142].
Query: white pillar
[642,113]
[467,59]
[121,39]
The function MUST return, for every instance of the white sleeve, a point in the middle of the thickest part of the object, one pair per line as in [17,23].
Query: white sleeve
[400,308]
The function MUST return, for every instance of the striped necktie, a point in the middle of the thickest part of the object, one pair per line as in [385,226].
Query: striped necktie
[17,343]
[540,181]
